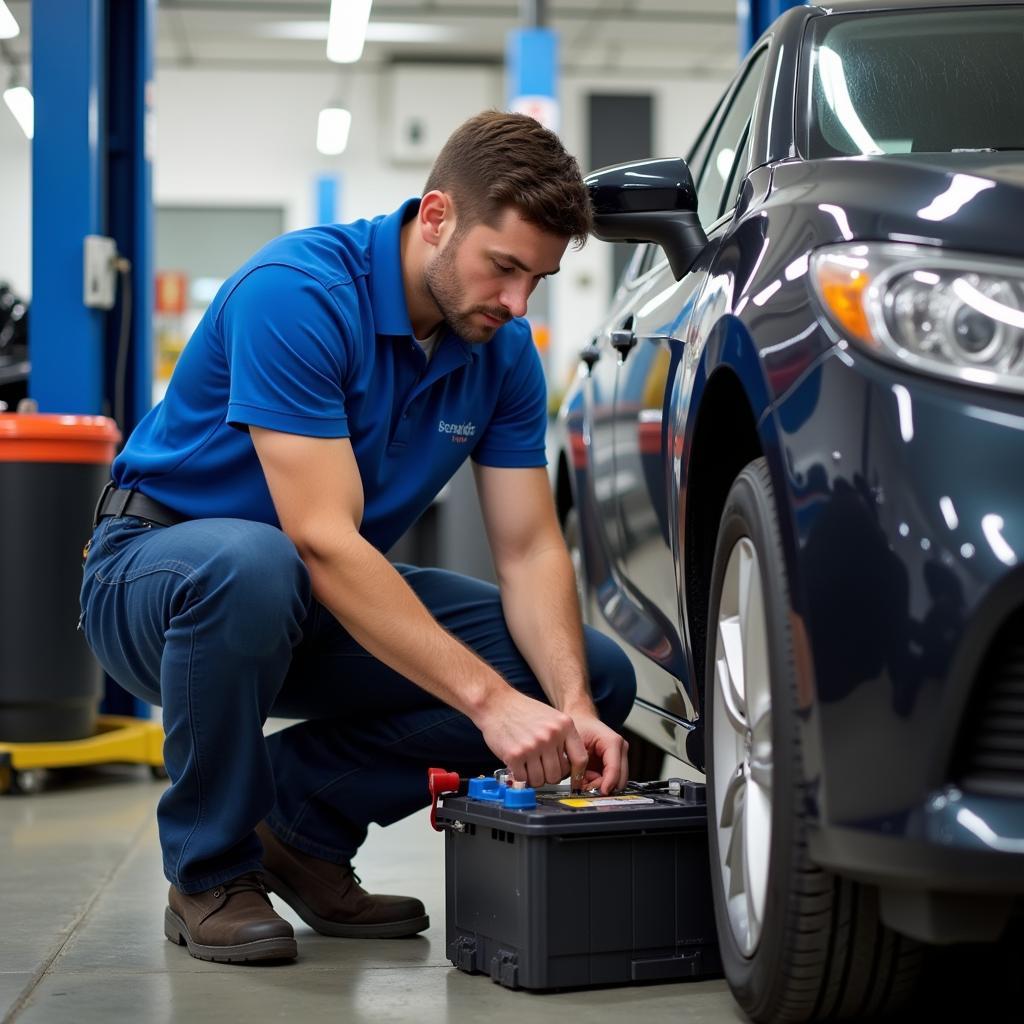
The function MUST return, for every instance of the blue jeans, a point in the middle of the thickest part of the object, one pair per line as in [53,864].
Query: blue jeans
[214,621]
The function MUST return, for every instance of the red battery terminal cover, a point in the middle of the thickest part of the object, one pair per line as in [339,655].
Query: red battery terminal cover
[440,781]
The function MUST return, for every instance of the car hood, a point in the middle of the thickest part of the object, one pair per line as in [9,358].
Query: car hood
[970,201]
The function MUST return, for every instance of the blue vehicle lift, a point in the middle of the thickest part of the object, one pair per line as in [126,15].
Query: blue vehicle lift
[92,71]
[92,68]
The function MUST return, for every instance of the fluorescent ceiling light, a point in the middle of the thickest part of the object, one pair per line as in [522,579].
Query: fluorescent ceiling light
[376,31]
[332,130]
[8,26]
[346,31]
[22,106]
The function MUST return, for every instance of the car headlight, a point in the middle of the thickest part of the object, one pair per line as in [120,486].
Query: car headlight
[952,314]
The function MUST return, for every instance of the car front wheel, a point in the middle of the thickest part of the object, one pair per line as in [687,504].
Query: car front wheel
[797,943]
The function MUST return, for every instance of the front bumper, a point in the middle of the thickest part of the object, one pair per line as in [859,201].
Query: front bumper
[944,873]
[907,504]
[956,842]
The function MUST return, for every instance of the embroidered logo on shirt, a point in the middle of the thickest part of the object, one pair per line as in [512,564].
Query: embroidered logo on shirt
[460,433]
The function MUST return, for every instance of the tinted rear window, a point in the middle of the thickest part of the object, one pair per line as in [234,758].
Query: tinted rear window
[930,80]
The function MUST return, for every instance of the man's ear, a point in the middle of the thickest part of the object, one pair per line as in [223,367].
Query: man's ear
[436,217]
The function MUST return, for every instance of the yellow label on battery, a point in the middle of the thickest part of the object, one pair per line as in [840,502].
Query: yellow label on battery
[607,801]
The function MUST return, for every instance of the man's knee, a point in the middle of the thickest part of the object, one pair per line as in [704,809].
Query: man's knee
[612,678]
[257,581]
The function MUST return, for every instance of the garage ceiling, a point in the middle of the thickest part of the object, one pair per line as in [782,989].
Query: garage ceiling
[669,38]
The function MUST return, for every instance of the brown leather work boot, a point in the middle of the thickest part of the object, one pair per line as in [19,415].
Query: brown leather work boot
[329,898]
[231,923]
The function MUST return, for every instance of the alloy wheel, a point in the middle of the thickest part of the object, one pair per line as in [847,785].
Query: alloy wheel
[742,736]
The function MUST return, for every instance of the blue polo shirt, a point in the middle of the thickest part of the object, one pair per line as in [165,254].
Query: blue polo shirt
[312,337]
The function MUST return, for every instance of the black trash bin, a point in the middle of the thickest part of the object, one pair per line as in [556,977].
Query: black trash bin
[51,470]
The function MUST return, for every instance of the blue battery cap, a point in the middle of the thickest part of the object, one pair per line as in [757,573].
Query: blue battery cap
[484,789]
[520,799]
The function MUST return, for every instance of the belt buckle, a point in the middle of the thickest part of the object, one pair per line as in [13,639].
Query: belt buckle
[110,486]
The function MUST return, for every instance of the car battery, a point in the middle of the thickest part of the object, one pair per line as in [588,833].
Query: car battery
[548,889]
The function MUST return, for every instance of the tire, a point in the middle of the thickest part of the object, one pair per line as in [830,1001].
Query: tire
[797,943]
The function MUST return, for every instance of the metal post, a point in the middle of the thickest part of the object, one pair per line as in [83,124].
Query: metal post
[129,154]
[534,13]
[66,337]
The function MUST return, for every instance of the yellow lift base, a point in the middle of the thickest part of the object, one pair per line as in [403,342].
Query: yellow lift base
[118,739]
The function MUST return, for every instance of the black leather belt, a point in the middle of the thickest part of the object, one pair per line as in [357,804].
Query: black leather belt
[115,502]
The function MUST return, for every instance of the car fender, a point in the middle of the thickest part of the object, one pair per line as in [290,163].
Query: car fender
[728,348]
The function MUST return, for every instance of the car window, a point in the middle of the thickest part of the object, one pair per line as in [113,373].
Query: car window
[698,153]
[739,170]
[652,254]
[930,80]
[717,171]
[634,257]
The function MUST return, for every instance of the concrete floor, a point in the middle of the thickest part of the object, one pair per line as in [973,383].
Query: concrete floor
[81,906]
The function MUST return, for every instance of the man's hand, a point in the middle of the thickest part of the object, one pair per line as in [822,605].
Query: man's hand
[542,746]
[607,761]
[536,743]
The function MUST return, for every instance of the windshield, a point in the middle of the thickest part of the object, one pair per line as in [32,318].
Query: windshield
[930,80]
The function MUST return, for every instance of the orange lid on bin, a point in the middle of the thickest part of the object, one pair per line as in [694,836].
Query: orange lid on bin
[51,437]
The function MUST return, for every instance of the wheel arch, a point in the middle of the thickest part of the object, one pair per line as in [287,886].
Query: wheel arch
[726,421]
[724,414]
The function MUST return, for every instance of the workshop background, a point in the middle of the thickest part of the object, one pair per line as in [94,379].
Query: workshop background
[188,131]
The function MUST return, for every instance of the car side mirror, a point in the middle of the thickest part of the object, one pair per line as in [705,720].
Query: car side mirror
[649,201]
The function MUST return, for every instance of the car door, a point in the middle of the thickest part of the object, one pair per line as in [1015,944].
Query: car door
[647,365]
[600,386]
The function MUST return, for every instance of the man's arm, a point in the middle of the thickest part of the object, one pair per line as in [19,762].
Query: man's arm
[538,595]
[318,496]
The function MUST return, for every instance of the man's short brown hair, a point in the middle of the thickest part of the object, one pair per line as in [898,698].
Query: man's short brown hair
[496,160]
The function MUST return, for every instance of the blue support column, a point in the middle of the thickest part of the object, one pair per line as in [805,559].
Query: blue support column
[327,193]
[92,63]
[531,65]
[754,16]
[128,154]
[531,60]
[66,337]
[129,200]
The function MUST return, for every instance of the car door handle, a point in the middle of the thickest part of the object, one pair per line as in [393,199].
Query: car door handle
[657,339]
[590,356]
[623,342]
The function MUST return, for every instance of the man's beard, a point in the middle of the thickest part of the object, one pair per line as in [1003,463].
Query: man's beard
[442,283]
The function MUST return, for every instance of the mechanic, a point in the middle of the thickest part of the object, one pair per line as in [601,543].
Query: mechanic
[336,382]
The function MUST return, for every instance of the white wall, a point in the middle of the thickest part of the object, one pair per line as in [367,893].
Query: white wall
[245,138]
[15,205]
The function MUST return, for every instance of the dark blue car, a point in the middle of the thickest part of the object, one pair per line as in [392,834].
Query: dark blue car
[792,473]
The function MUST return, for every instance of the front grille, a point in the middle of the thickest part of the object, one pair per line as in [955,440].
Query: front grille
[991,747]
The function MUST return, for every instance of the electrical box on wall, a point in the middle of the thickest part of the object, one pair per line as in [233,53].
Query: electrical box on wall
[99,272]
[428,102]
